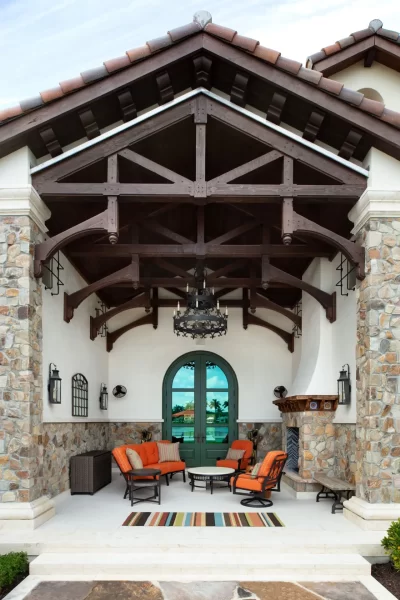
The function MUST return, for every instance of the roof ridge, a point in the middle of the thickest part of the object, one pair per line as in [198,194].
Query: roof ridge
[375,27]
[202,21]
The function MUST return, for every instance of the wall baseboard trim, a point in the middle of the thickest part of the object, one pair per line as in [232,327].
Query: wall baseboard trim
[259,420]
[110,421]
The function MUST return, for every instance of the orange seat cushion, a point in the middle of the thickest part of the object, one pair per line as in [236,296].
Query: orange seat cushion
[267,462]
[245,482]
[168,467]
[148,452]
[230,464]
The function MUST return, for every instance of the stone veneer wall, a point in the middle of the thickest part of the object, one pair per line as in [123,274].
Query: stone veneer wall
[131,433]
[21,449]
[345,451]
[270,436]
[63,440]
[378,368]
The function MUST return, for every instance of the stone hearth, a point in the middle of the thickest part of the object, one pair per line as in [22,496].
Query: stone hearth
[313,416]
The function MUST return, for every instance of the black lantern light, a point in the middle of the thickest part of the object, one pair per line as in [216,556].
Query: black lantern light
[202,317]
[344,385]
[54,385]
[103,397]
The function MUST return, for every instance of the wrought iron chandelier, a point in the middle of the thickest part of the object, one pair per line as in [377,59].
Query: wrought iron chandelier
[202,317]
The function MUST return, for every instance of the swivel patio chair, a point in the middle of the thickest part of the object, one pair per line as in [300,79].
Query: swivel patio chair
[260,486]
[241,464]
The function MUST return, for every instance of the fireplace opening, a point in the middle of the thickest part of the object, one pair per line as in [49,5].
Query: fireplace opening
[292,449]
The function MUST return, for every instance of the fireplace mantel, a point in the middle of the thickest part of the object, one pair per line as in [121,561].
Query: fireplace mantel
[311,403]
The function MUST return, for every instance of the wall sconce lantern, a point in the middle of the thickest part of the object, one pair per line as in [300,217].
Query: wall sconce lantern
[54,385]
[103,397]
[344,385]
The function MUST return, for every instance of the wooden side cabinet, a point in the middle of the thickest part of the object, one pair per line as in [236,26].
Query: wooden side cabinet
[89,472]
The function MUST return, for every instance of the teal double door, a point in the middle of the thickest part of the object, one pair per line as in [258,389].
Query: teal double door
[200,396]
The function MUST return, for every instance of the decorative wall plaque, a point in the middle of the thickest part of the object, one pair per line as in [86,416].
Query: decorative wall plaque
[313,405]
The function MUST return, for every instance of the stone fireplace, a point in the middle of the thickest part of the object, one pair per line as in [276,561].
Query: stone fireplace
[309,439]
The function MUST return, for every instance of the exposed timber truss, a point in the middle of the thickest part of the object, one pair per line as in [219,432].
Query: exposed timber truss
[167,212]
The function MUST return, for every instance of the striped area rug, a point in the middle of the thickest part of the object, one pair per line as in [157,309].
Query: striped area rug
[196,519]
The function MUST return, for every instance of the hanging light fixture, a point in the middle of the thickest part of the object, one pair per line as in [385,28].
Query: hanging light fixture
[103,397]
[202,317]
[344,385]
[54,385]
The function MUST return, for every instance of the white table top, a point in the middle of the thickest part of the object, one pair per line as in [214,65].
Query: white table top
[210,471]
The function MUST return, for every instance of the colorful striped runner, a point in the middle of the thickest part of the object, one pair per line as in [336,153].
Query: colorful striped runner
[193,519]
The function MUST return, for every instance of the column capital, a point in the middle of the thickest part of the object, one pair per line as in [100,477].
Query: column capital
[23,200]
[375,204]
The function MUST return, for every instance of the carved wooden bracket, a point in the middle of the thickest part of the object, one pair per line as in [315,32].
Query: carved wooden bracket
[313,126]
[285,335]
[292,222]
[202,68]
[127,105]
[129,274]
[274,112]
[96,323]
[307,403]
[105,221]
[51,142]
[89,123]
[239,89]
[350,144]
[164,86]
[114,335]
[262,302]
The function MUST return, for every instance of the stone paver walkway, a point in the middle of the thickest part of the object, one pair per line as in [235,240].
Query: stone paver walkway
[219,590]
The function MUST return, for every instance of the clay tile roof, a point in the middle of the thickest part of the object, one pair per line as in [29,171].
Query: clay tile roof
[202,22]
[375,28]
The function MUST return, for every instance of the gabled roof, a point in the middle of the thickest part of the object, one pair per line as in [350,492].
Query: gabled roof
[373,37]
[202,23]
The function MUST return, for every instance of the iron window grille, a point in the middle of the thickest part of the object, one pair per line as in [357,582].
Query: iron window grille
[101,311]
[347,281]
[80,395]
[298,309]
[51,274]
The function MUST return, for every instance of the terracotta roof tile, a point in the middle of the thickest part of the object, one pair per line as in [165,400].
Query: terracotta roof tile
[310,75]
[94,74]
[287,64]
[372,106]
[114,64]
[222,32]
[351,96]
[70,85]
[30,103]
[159,43]
[138,53]
[181,32]
[245,42]
[331,86]
[267,54]
[202,22]
[53,94]
[332,49]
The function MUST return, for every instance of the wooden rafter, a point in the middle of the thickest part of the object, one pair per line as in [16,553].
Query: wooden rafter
[114,335]
[248,167]
[153,166]
[285,335]
[140,299]
[262,301]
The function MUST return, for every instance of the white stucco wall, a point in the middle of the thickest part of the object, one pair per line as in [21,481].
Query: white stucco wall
[378,77]
[15,168]
[325,347]
[69,346]
[141,357]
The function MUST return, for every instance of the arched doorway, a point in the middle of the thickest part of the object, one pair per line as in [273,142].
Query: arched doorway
[200,400]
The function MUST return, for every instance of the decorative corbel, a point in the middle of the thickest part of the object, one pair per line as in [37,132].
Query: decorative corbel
[239,89]
[285,335]
[202,69]
[105,221]
[165,88]
[127,105]
[292,222]
[96,323]
[114,335]
[277,104]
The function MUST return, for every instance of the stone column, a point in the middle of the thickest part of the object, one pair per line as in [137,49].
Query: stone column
[22,504]
[377,227]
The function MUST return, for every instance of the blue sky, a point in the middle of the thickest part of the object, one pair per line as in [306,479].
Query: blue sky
[43,42]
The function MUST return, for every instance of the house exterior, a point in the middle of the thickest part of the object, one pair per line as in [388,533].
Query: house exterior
[204,149]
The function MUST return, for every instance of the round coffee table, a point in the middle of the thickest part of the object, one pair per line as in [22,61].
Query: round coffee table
[209,475]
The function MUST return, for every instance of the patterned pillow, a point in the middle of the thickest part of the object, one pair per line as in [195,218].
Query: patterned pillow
[134,459]
[234,454]
[254,472]
[168,452]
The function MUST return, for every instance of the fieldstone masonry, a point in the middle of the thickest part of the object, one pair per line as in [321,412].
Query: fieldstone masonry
[21,440]
[378,368]
[269,436]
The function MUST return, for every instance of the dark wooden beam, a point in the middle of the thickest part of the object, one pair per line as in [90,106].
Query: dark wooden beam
[177,292]
[233,190]
[293,222]
[191,251]
[114,335]
[248,167]
[285,335]
[350,144]
[155,304]
[105,221]
[231,267]
[89,123]
[166,232]
[202,71]
[313,126]
[246,306]
[200,119]
[232,234]
[164,86]
[152,166]
[239,89]
[275,108]
[127,105]
[220,293]
[50,141]
[262,301]
[174,269]
[116,189]
[140,299]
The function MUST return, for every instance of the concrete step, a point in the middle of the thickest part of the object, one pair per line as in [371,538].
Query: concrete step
[214,566]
